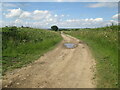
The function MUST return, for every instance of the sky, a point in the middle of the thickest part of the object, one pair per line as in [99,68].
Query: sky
[63,14]
[59,0]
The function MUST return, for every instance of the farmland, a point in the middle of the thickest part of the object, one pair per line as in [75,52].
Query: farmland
[61,67]
[21,46]
[103,43]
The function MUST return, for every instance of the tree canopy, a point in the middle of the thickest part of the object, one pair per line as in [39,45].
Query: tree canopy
[55,28]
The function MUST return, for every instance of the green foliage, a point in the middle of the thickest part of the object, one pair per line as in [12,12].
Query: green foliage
[24,45]
[14,28]
[55,28]
[104,45]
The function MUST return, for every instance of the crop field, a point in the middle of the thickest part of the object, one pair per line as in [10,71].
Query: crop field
[103,43]
[21,46]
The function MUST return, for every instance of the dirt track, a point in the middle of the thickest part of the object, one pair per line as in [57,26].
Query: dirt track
[59,68]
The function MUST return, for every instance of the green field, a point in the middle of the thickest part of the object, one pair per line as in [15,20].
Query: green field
[21,46]
[103,43]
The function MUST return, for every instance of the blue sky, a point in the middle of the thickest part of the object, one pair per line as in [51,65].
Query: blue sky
[63,14]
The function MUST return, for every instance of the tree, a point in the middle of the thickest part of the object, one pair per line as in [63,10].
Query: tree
[55,28]
[22,26]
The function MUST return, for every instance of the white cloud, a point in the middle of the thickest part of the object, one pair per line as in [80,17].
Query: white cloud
[116,16]
[45,19]
[62,15]
[55,15]
[17,20]
[99,19]
[35,15]
[25,15]
[40,18]
[85,20]
[70,23]
[91,22]
[39,14]
[14,13]
[112,22]
[103,4]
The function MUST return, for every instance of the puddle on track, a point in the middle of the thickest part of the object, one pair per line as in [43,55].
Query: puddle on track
[69,45]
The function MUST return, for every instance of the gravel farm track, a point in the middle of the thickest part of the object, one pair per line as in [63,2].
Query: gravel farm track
[59,68]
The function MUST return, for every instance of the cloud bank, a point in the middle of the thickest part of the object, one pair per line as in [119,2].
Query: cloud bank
[45,19]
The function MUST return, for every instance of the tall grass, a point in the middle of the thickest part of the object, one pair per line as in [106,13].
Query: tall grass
[104,44]
[21,46]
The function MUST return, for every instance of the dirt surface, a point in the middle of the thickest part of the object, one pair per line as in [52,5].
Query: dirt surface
[59,68]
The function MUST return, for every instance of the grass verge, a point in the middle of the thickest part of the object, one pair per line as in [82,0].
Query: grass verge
[103,43]
[21,46]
